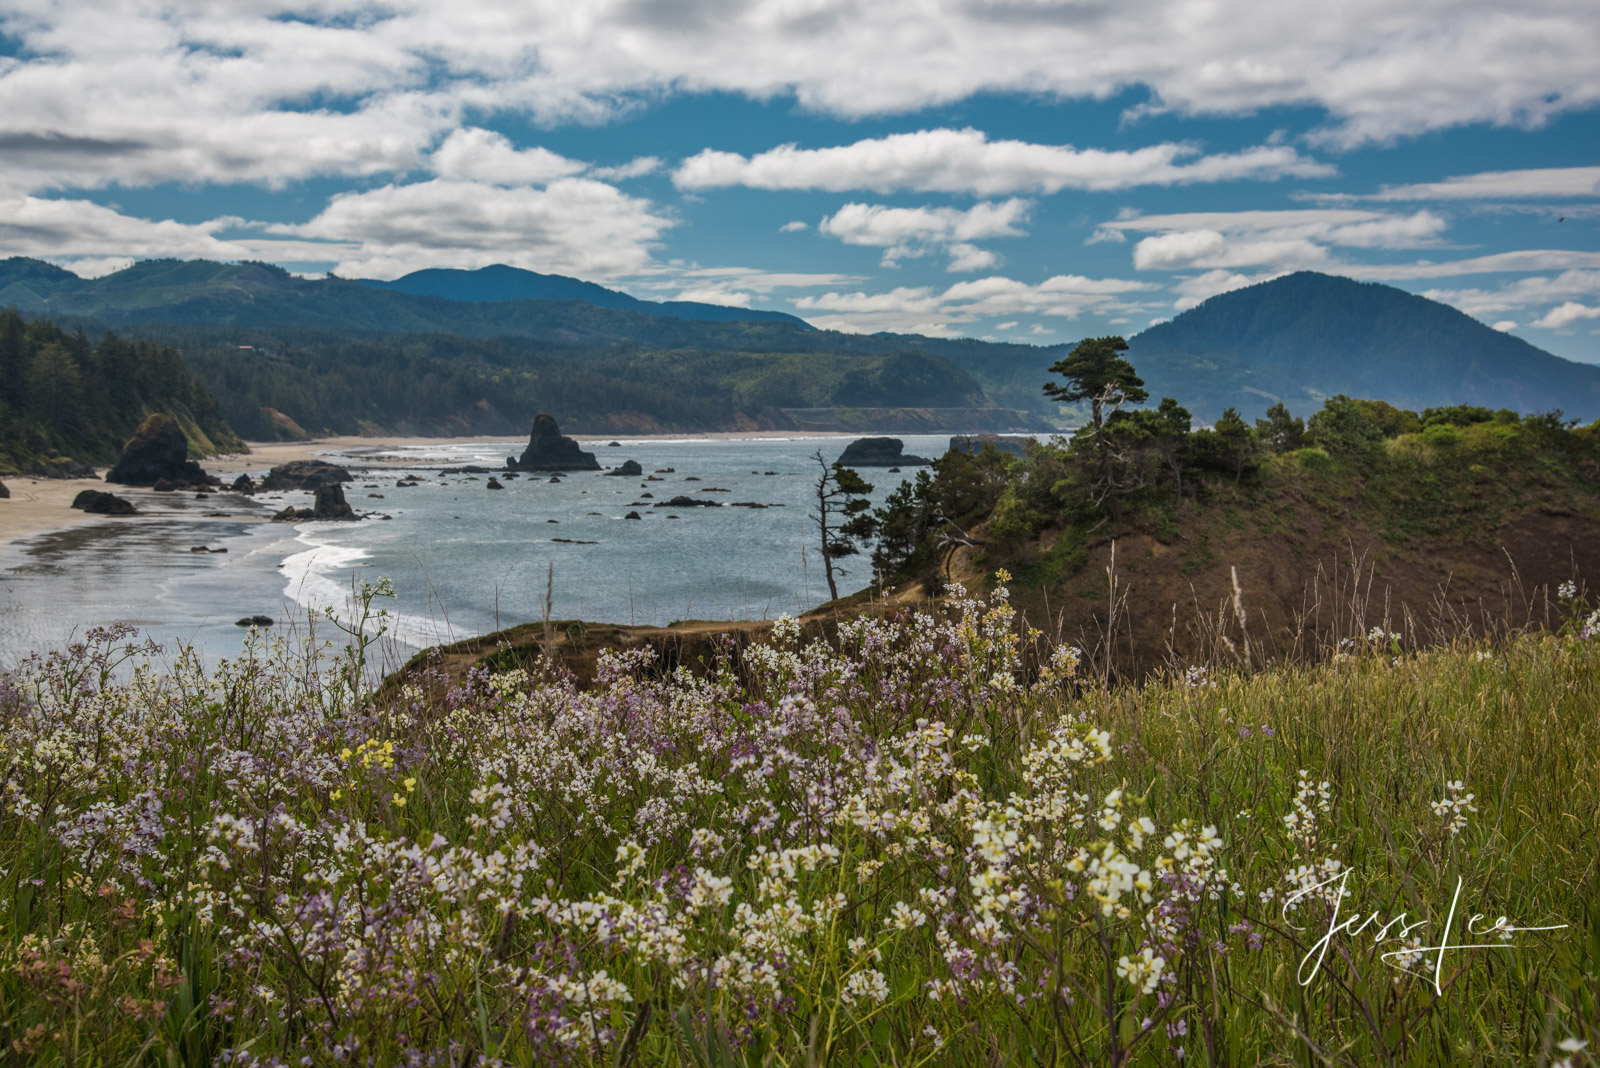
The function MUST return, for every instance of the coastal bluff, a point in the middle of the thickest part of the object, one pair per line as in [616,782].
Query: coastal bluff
[549,450]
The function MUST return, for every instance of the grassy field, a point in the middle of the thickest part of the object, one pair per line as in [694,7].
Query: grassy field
[914,847]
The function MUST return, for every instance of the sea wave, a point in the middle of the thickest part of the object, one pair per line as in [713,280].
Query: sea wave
[322,577]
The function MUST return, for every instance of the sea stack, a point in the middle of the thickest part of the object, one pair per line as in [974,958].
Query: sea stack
[158,451]
[305,475]
[548,450]
[879,452]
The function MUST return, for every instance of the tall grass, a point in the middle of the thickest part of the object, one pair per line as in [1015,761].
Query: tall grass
[908,847]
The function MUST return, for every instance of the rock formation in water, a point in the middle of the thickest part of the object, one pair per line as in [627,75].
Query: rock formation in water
[329,504]
[99,502]
[5,494]
[158,451]
[305,475]
[628,468]
[548,450]
[243,484]
[879,452]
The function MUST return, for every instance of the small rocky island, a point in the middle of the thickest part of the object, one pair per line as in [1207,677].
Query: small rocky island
[879,452]
[329,503]
[158,455]
[305,475]
[548,450]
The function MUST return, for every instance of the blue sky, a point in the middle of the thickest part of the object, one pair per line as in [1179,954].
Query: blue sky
[1009,169]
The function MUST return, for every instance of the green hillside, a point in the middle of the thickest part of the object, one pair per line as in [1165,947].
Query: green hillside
[65,396]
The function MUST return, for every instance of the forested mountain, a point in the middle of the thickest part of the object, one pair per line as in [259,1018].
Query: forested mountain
[1308,336]
[1297,339]
[438,384]
[61,395]
[488,285]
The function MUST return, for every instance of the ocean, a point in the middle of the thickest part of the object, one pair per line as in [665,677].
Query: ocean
[464,560]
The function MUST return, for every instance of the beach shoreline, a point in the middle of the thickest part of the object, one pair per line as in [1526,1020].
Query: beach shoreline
[42,505]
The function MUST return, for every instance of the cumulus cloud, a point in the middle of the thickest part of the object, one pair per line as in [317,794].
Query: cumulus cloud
[1565,315]
[477,155]
[94,239]
[574,226]
[1505,326]
[793,226]
[966,161]
[907,233]
[273,90]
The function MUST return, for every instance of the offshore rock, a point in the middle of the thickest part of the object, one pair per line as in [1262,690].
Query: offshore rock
[879,452]
[158,451]
[243,484]
[305,475]
[5,494]
[329,504]
[629,468]
[98,502]
[548,450]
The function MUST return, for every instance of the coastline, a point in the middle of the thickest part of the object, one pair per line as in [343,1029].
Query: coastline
[41,505]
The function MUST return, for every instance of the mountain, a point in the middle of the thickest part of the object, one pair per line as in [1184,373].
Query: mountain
[501,283]
[223,305]
[1307,336]
[261,294]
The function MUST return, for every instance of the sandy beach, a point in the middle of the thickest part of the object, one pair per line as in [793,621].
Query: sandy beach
[38,505]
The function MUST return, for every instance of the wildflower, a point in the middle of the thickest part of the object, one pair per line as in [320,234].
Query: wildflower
[1567,591]
[1143,971]
[1453,809]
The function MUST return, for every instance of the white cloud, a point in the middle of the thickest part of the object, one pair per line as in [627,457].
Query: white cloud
[730,298]
[1565,315]
[90,238]
[1533,259]
[141,92]
[1542,182]
[925,309]
[1299,238]
[476,155]
[637,167]
[907,233]
[966,161]
[1196,289]
[575,226]
[1505,326]
[793,226]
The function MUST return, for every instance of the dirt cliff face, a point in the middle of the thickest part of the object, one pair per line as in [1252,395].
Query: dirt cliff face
[1287,580]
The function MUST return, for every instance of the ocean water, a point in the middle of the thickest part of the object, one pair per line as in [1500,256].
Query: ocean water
[463,559]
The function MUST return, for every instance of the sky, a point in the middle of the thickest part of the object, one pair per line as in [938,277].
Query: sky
[1029,170]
